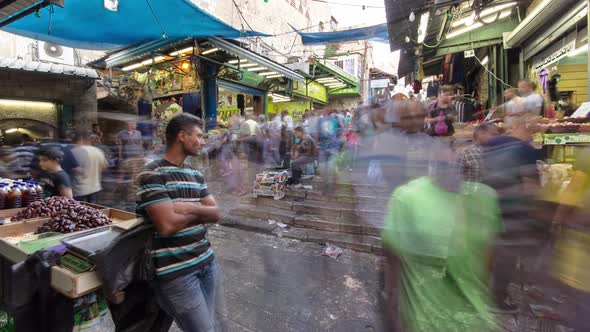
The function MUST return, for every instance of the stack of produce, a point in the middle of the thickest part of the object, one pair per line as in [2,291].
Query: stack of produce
[67,215]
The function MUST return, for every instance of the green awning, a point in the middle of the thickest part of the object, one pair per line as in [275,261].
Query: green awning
[487,35]
[331,69]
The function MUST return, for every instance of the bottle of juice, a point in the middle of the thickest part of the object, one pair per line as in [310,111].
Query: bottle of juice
[27,195]
[3,196]
[14,198]
[40,192]
[33,190]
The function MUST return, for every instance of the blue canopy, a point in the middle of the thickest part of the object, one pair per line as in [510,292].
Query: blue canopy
[87,24]
[374,33]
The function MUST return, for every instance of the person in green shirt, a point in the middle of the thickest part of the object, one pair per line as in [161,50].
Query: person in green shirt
[440,240]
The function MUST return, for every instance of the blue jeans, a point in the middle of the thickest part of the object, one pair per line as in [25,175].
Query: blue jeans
[88,198]
[191,299]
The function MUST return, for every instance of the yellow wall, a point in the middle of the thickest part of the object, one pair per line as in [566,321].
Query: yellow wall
[574,77]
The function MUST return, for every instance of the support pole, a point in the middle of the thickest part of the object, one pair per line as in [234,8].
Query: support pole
[588,41]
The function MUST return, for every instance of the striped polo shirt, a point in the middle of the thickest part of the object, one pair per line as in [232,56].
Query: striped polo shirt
[189,249]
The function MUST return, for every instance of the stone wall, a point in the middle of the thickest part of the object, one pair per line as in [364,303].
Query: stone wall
[79,94]
[344,102]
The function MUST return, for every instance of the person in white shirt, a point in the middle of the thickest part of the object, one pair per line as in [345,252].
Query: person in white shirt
[534,102]
[288,120]
[87,183]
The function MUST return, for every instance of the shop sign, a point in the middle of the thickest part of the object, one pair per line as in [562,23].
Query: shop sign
[250,79]
[314,90]
[348,91]
[379,84]
[546,60]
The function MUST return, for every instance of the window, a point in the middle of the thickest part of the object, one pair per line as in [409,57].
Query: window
[351,66]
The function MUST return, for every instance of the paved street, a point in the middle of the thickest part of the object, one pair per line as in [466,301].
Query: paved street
[278,284]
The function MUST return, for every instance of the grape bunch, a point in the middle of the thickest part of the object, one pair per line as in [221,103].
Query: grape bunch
[67,215]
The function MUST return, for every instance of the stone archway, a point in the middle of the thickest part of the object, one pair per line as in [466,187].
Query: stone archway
[33,128]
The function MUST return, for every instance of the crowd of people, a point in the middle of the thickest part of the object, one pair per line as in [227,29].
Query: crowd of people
[459,224]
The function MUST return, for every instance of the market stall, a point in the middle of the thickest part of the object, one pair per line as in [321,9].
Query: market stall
[70,230]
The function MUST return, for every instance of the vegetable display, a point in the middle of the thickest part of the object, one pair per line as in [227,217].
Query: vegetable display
[67,215]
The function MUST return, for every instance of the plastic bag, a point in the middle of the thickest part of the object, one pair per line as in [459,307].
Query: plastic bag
[91,314]
[441,128]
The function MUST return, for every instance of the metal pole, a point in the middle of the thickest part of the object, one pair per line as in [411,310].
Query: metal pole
[588,41]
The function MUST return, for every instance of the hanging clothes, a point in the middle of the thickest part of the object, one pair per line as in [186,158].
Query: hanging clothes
[458,69]
[543,78]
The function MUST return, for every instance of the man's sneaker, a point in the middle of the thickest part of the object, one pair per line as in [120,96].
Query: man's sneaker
[505,307]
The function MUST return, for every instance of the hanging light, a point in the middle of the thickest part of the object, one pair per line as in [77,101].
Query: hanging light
[407,39]
[185,65]
[183,51]
[209,51]
[233,62]
[275,76]
[255,69]
[412,17]
[423,27]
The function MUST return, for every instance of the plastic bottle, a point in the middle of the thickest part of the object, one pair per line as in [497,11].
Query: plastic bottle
[3,196]
[14,198]
[40,192]
[33,190]
[28,195]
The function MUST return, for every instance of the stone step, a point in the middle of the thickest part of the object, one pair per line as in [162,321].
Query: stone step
[357,242]
[371,207]
[327,221]
[336,210]
[338,225]
[265,213]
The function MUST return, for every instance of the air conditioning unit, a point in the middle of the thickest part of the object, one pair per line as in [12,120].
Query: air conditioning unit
[49,52]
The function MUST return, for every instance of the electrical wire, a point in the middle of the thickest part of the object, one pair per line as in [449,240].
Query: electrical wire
[490,72]
[157,19]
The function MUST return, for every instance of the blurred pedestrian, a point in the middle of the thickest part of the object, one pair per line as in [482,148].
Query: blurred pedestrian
[276,133]
[129,142]
[441,114]
[303,154]
[249,132]
[54,180]
[534,103]
[329,146]
[470,158]
[87,183]
[438,261]
[96,131]
[288,121]
[510,167]
[572,250]
[6,160]
[23,156]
